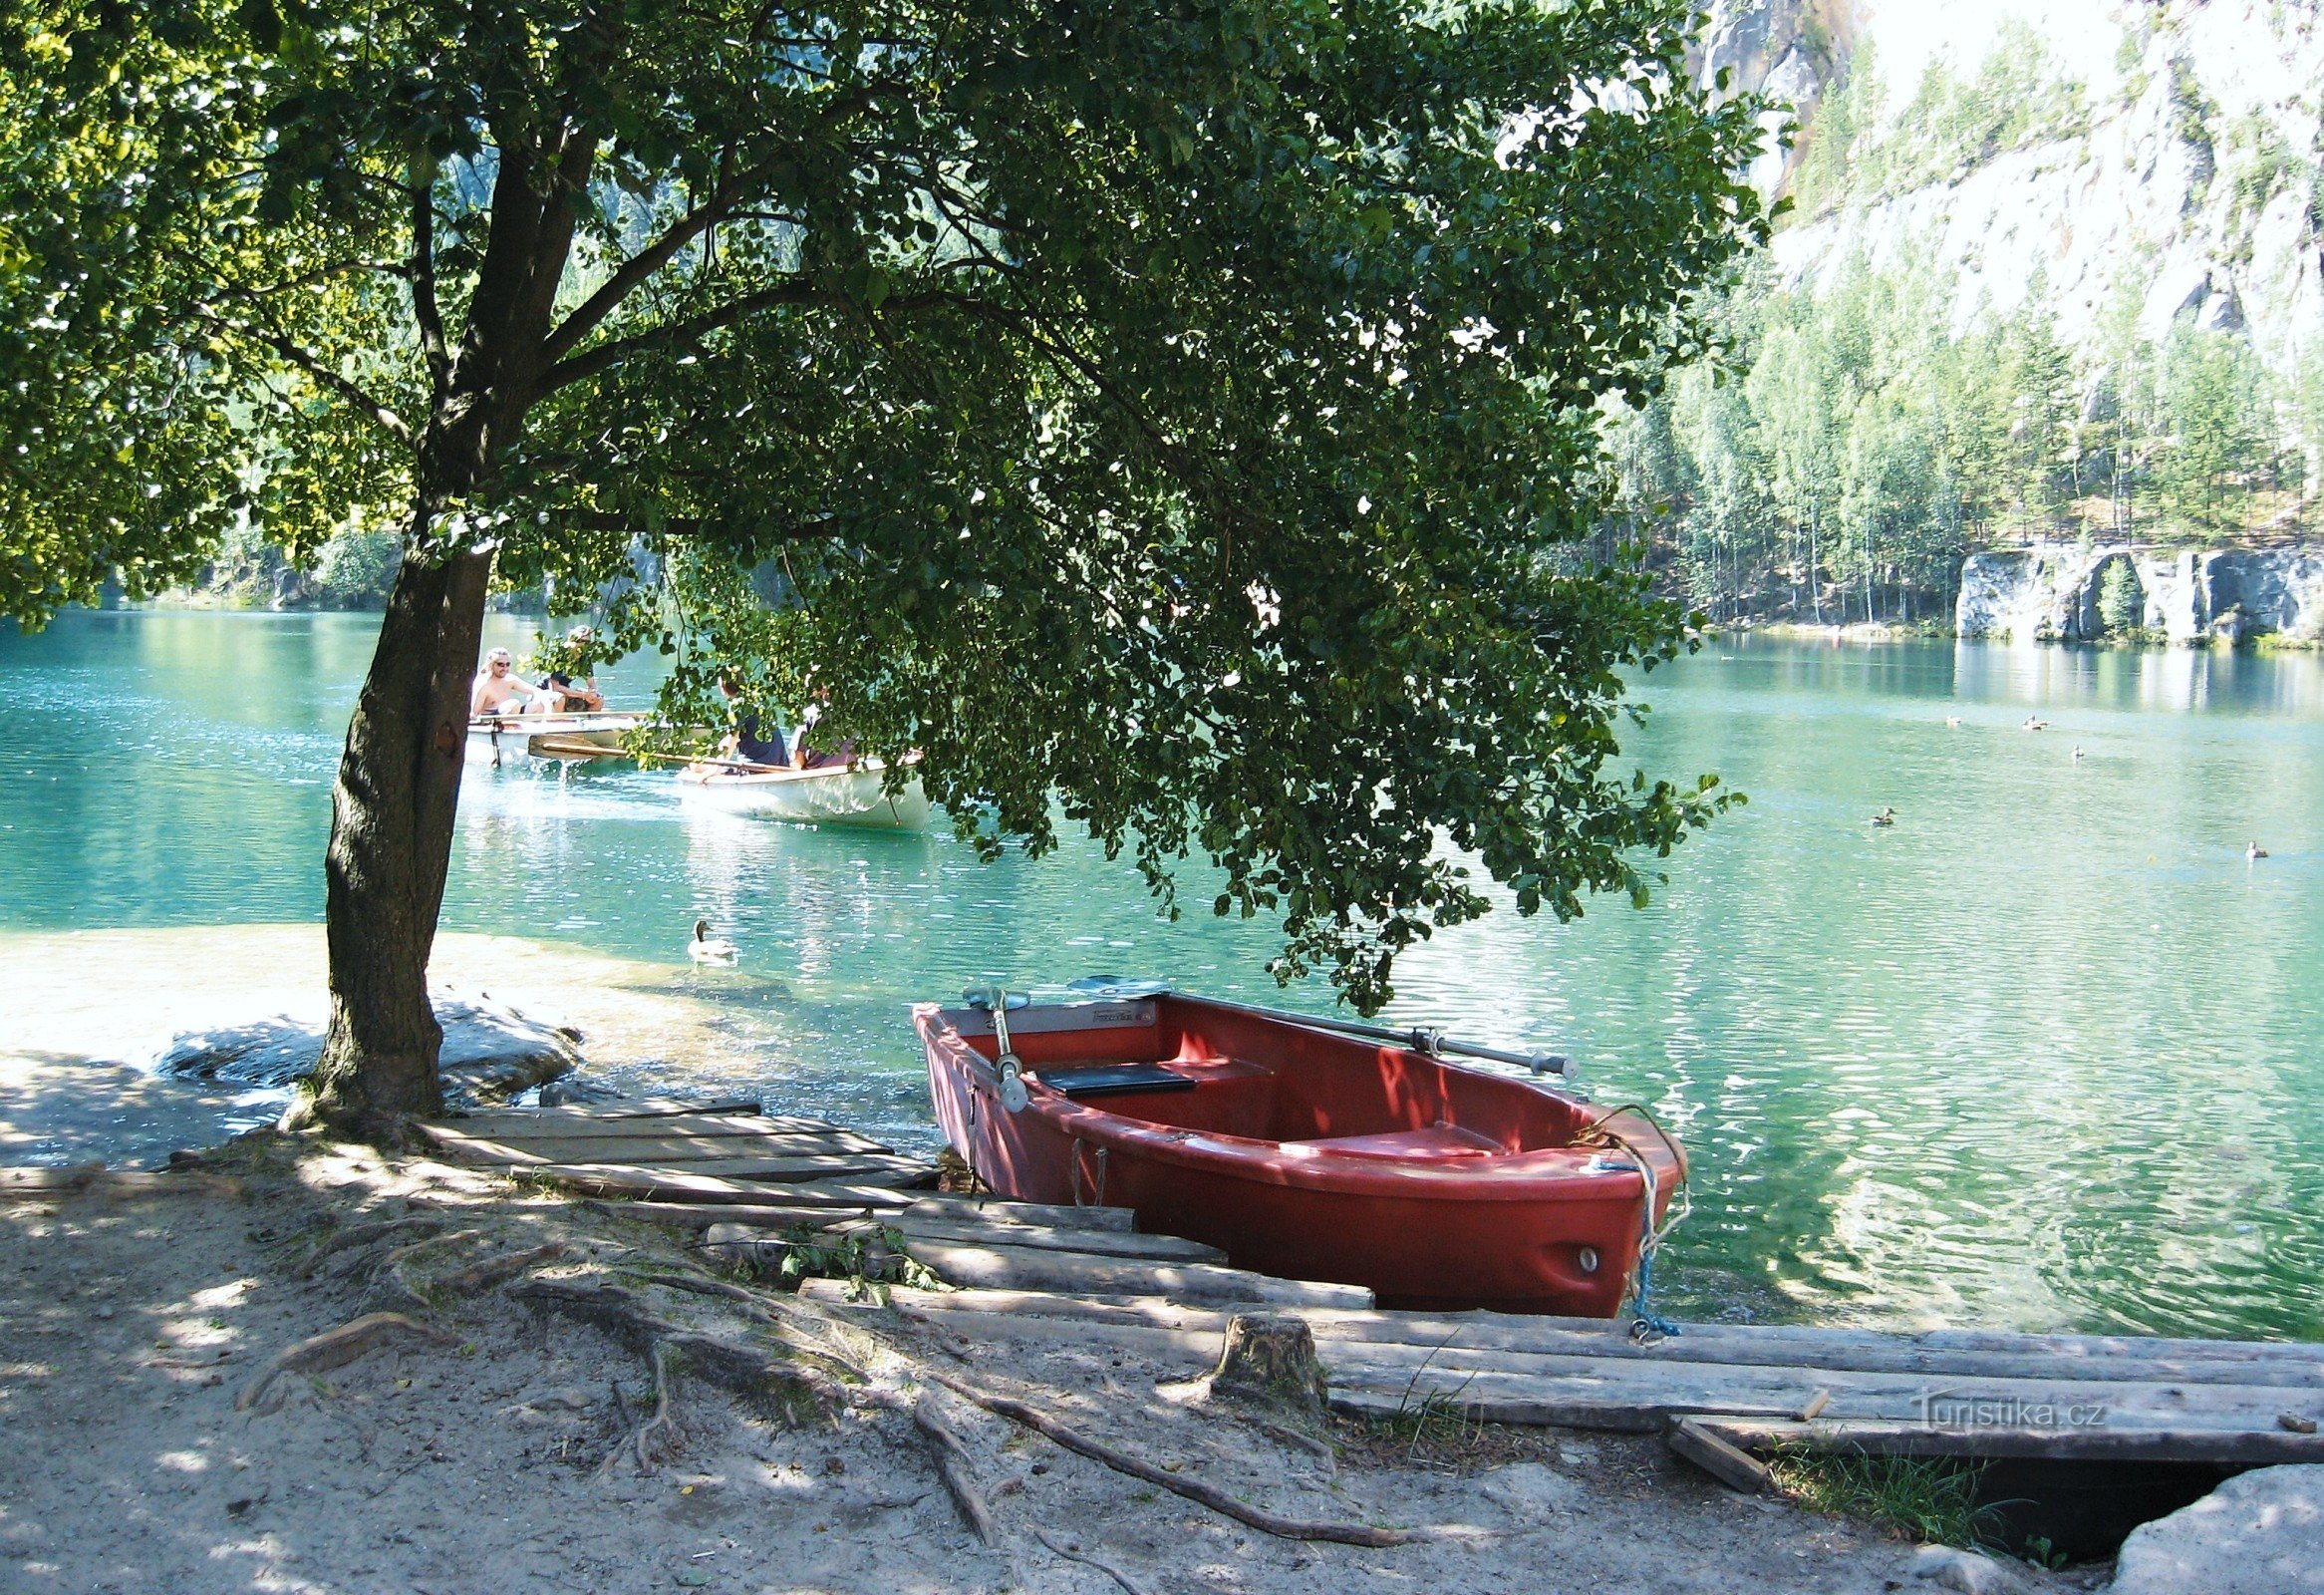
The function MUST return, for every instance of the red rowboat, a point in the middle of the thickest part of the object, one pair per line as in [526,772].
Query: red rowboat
[1306,1153]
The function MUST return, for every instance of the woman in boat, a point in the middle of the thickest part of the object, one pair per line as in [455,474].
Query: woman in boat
[568,667]
[808,746]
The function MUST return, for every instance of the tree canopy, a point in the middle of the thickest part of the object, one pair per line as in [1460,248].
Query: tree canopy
[1170,418]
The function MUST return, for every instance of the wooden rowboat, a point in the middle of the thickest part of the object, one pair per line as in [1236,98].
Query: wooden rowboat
[505,739]
[837,795]
[1306,1153]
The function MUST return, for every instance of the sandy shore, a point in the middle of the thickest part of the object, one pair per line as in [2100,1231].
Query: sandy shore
[496,1447]
[82,1014]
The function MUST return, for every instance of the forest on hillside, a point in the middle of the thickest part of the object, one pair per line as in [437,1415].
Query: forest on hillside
[1854,438]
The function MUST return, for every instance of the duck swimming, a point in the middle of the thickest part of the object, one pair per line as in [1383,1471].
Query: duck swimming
[1887,816]
[708,949]
[2035,722]
[2254,854]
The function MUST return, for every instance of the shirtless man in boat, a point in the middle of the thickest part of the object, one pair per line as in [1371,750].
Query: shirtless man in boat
[500,691]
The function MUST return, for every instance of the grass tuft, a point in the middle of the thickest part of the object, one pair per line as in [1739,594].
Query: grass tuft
[1926,1499]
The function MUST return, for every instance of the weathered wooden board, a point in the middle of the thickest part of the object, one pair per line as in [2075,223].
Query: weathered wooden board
[917,1229]
[37,1182]
[1730,1463]
[690,1185]
[652,1107]
[702,1215]
[2255,1448]
[518,1127]
[95,1179]
[1499,1385]
[1025,1267]
[655,1150]
[993,1210]
[895,1171]
[2233,1362]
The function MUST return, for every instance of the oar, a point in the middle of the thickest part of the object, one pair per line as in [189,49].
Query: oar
[1427,1042]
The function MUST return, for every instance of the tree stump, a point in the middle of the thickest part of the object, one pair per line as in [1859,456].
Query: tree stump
[1270,1361]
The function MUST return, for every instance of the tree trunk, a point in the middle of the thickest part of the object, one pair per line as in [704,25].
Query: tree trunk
[391,846]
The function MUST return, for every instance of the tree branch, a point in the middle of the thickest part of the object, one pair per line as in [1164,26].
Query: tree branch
[592,311]
[424,310]
[593,362]
[314,365]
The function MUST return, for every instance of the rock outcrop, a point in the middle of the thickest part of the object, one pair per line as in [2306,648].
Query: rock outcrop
[2060,592]
[2259,1533]
[2179,181]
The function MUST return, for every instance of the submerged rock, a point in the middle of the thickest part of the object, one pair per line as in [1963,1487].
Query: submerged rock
[490,1053]
[2259,1533]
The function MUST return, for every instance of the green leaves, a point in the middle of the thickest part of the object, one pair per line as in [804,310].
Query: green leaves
[1167,423]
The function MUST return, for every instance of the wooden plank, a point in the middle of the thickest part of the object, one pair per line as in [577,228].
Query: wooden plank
[1095,1242]
[2255,1448]
[1730,1464]
[1542,1410]
[43,1181]
[517,1126]
[1674,1390]
[1027,1267]
[897,1171]
[1189,1349]
[1865,1352]
[649,1148]
[652,1107]
[687,1185]
[2235,1364]
[702,1215]
[994,1211]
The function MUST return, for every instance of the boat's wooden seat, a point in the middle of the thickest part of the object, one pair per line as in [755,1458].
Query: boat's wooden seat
[1099,1080]
[1430,1145]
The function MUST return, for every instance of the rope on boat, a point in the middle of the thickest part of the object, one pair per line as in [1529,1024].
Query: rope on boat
[1646,1325]
[1096,1183]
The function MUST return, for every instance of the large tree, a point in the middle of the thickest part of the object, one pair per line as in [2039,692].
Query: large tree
[1171,412]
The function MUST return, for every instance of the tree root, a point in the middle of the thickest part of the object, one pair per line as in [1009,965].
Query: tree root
[1086,1560]
[952,1466]
[659,1427]
[1218,1501]
[360,1235]
[336,1348]
[493,1271]
[773,1379]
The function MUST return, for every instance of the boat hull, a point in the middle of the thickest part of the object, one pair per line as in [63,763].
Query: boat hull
[833,796]
[1434,1185]
[508,739]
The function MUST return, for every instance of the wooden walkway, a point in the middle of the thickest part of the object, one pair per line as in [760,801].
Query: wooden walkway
[757,1185]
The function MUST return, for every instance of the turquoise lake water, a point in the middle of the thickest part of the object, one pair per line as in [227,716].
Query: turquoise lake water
[2049,1053]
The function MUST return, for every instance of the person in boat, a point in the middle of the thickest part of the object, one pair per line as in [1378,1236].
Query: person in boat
[570,686]
[744,741]
[499,689]
[812,748]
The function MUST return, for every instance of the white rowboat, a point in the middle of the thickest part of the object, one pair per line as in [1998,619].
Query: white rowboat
[836,796]
[505,739]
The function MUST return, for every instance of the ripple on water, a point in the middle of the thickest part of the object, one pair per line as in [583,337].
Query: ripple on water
[2041,1055]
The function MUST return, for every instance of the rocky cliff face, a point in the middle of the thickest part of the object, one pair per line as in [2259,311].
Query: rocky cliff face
[2069,593]
[2179,177]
